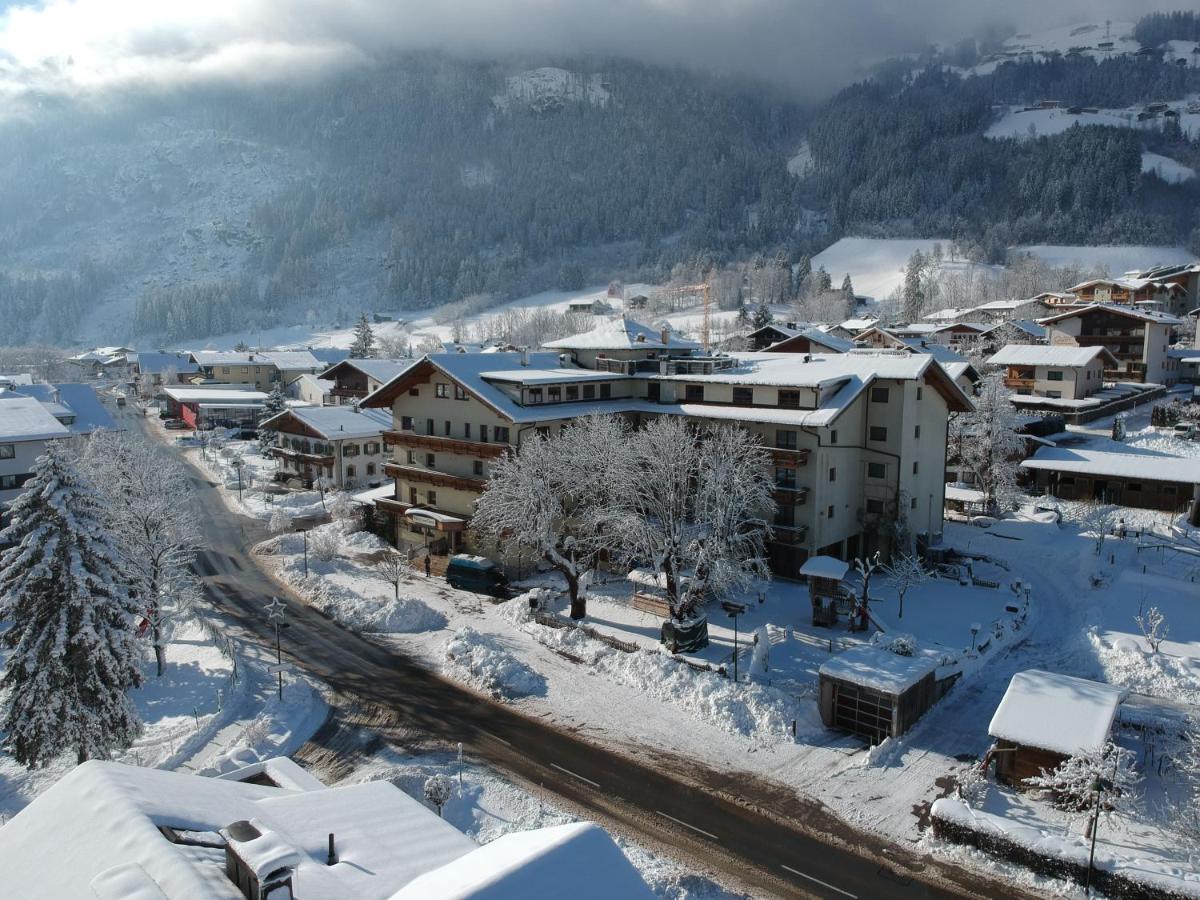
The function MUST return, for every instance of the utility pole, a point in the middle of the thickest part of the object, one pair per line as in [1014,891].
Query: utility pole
[305,533]
[734,610]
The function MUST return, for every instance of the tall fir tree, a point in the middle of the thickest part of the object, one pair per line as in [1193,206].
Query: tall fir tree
[914,291]
[800,278]
[71,623]
[762,316]
[848,297]
[364,339]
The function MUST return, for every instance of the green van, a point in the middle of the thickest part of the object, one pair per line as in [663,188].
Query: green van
[478,574]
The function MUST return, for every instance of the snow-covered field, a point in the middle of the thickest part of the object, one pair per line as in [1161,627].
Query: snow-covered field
[876,265]
[1023,123]
[1166,168]
[1116,259]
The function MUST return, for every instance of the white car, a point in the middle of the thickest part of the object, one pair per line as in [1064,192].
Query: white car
[1185,430]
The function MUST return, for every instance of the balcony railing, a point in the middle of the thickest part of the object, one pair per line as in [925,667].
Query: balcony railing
[793,535]
[314,458]
[445,444]
[616,366]
[348,393]
[1019,384]
[790,495]
[789,457]
[433,477]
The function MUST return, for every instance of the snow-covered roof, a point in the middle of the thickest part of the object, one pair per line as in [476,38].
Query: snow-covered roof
[859,324]
[1149,466]
[536,864]
[368,497]
[27,419]
[208,394]
[329,356]
[549,376]
[1127,283]
[1048,355]
[1141,314]
[622,333]
[324,385]
[825,567]
[334,422]
[229,358]
[1030,327]
[1056,712]
[1002,305]
[949,314]
[381,370]
[964,494]
[83,402]
[19,379]
[879,669]
[156,363]
[292,360]
[99,825]
[814,335]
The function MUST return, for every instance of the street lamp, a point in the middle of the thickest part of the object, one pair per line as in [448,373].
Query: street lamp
[275,611]
[305,533]
[734,610]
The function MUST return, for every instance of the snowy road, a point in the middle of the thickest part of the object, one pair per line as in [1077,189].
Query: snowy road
[640,796]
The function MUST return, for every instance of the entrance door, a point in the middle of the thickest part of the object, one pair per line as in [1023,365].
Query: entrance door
[1100,491]
[862,711]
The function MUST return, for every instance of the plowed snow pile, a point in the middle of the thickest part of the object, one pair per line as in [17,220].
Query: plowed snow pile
[481,662]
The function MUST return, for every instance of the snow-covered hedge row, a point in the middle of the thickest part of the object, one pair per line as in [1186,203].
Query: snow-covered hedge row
[1052,854]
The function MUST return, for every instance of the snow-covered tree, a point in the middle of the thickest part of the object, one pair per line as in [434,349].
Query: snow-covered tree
[70,614]
[281,521]
[1153,625]
[972,785]
[325,543]
[557,498]
[1098,521]
[985,442]
[148,509]
[906,572]
[364,339]
[761,317]
[438,790]
[914,292]
[848,296]
[393,568]
[1074,785]
[866,569]
[698,505]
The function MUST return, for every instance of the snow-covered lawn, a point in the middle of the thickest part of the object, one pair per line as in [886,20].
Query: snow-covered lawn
[1116,259]
[1024,123]
[198,716]
[876,265]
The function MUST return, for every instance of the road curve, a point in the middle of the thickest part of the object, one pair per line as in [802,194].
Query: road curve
[757,847]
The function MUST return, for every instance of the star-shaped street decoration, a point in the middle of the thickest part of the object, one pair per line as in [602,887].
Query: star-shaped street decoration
[275,609]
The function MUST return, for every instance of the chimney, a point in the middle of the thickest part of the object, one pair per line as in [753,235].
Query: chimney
[331,859]
[562,360]
[525,356]
[665,336]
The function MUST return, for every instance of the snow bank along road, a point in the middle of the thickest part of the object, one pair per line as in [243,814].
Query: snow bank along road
[752,846]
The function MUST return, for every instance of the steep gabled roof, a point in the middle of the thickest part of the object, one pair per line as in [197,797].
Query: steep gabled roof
[382,370]
[622,333]
[333,422]
[1116,309]
[1050,355]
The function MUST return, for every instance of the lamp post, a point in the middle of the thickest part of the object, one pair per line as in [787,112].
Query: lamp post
[734,610]
[305,533]
[275,611]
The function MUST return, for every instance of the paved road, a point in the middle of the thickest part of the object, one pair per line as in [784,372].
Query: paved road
[640,796]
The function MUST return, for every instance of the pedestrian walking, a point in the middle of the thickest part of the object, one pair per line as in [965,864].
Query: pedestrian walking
[427,566]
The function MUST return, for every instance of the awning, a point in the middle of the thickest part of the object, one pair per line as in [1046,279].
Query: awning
[433,519]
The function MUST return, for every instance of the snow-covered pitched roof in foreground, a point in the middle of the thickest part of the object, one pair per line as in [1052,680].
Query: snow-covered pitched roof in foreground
[84,404]
[99,826]
[622,333]
[27,419]
[879,669]
[825,567]
[216,395]
[1056,712]
[1148,466]
[382,370]
[1129,312]
[1050,355]
[334,422]
[155,363]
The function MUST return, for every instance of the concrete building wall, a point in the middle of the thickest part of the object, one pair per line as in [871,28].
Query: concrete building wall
[25,453]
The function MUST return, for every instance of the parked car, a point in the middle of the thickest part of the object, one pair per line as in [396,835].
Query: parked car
[475,573]
[120,399]
[1185,430]
[175,425]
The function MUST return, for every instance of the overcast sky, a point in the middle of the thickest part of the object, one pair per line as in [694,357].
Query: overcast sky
[810,46]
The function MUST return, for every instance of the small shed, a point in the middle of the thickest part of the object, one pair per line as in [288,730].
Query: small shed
[1046,717]
[826,588]
[875,693]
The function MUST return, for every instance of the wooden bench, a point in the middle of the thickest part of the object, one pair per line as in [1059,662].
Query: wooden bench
[651,603]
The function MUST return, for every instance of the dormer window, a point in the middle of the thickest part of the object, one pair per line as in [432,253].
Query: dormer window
[535,395]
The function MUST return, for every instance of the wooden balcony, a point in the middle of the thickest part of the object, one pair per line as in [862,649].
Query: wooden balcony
[784,457]
[437,479]
[792,535]
[314,459]
[348,393]
[793,495]
[1019,384]
[445,444]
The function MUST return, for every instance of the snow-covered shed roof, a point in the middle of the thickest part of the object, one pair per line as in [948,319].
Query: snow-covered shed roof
[1056,712]
[860,324]
[830,342]
[1144,466]
[333,422]
[1049,355]
[622,333]
[578,859]
[879,669]
[213,394]
[27,419]
[99,825]
[329,356]
[82,400]
[155,363]
[825,567]
[1139,313]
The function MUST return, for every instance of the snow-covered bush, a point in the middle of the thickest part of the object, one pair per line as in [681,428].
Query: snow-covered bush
[479,661]
[1073,784]
[972,785]
[1154,627]
[281,521]
[438,790]
[902,644]
[340,506]
[324,543]
[760,660]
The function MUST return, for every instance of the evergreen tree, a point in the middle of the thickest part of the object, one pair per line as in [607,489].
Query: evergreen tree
[914,293]
[803,270]
[848,296]
[364,339]
[275,403]
[762,316]
[70,614]
[241,347]
[824,281]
